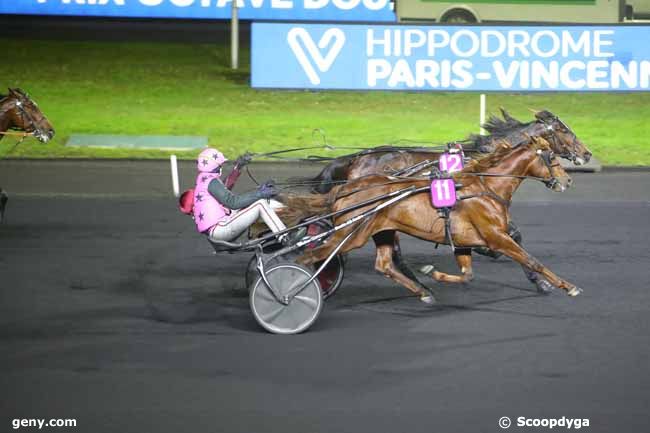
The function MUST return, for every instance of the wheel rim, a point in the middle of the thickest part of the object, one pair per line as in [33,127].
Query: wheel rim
[331,277]
[301,312]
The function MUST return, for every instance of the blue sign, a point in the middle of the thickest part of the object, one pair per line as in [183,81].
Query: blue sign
[391,57]
[287,10]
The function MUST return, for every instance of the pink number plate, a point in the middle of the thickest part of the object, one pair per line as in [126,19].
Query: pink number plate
[443,193]
[450,162]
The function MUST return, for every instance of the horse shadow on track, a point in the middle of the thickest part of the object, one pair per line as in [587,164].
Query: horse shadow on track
[189,284]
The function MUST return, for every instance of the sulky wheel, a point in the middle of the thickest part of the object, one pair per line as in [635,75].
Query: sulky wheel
[301,312]
[330,279]
[332,276]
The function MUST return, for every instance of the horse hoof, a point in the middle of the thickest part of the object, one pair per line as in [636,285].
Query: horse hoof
[427,298]
[544,287]
[427,269]
[574,292]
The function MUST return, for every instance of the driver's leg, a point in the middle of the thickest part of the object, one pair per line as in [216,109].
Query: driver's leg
[240,220]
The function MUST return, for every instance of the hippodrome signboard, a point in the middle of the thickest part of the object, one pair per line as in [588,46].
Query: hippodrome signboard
[495,58]
[301,10]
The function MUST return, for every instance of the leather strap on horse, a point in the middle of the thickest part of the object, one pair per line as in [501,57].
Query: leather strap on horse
[446,214]
[17,133]
[22,135]
[491,194]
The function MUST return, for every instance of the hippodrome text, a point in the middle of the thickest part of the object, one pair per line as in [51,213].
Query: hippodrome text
[518,45]
[470,58]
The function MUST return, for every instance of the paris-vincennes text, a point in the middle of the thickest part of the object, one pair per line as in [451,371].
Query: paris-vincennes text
[516,59]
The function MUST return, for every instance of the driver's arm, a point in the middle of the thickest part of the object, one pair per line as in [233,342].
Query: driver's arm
[230,200]
[232,177]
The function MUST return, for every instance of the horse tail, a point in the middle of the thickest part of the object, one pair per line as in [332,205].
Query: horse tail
[310,204]
[298,207]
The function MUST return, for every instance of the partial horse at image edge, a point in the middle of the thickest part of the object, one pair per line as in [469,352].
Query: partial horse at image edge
[18,111]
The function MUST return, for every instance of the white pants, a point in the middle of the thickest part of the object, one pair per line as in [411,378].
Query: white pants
[240,220]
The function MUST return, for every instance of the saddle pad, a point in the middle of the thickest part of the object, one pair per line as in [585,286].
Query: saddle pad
[443,193]
[450,162]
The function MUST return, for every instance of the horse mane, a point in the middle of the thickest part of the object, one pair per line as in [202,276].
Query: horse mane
[16,90]
[491,160]
[496,128]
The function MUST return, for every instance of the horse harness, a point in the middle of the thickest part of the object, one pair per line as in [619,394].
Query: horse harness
[547,158]
[550,127]
[30,124]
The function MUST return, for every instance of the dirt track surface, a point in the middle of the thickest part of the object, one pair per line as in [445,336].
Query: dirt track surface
[79,340]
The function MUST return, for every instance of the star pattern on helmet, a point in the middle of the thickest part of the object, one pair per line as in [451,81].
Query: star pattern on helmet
[201,216]
[205,162]
[215,156]
[199,197]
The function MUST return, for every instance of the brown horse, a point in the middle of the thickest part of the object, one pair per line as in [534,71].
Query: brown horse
[388,159]
[507,131]
[18,111]
[480,219]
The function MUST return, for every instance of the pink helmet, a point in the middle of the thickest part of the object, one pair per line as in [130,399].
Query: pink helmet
[210,160]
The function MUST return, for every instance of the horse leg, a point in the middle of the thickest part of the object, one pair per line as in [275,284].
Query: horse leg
[513,232]
[542,285]
[463,259]
[399,261]
[503,243]
[384,242]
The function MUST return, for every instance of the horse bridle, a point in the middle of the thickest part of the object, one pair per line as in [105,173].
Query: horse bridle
[29,122]
[551,132]
[547,158]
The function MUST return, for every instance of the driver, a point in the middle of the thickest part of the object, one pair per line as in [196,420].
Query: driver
[222,215]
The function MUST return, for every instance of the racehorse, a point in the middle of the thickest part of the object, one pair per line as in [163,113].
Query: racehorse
[390,159]
[480,218]
[19,111]
[507,131]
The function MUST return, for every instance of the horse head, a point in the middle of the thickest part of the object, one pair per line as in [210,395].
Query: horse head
[25,115]
[562,139]
[546,166]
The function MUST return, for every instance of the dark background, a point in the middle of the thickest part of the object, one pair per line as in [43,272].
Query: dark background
[118,29]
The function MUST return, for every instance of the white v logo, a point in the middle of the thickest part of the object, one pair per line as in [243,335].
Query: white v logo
[298,34]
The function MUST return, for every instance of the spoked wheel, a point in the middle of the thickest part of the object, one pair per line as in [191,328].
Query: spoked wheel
[301,312]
